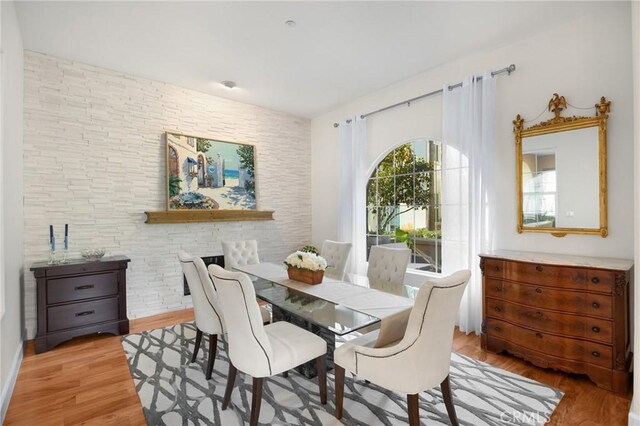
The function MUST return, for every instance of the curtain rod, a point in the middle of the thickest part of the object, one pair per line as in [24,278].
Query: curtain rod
[511,68]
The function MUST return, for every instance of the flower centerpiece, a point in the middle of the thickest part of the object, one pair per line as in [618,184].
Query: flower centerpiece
[306,267]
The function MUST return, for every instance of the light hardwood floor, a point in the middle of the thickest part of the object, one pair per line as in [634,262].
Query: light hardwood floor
[87,381]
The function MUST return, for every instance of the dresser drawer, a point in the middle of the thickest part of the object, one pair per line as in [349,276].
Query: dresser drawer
[540,319]
[562,347]
[493,267]
[70,289]
[82,314]
[559,276]
[577,302]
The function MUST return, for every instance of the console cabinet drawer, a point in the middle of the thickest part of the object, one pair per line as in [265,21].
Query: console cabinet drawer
[558,276]
[576,302]
[562,347]
[69,289]
[554,322]
[82,314]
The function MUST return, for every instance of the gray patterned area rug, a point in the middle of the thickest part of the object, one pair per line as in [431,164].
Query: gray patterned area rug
[174,391]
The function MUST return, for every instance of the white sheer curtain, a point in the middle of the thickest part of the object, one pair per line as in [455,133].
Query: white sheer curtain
[352,191]
[468,187]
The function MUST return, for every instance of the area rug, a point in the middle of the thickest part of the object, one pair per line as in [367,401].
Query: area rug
[174,391]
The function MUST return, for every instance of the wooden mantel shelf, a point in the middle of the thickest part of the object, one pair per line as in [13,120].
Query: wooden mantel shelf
[191,216]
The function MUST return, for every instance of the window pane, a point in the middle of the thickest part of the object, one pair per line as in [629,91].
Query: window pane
[420,150]
[372,220]
[404,160]
[386,191]
[404,190]
[385,168]
[435,154]
[372,198]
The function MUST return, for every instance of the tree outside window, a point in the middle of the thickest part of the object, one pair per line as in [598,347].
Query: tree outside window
[403,202]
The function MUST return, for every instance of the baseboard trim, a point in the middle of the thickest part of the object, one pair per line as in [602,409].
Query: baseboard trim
[7,389]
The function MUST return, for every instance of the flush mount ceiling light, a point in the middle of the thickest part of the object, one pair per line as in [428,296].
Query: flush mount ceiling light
[228,84]
[290,23]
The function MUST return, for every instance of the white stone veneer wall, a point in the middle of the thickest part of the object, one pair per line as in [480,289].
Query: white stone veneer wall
[94,158]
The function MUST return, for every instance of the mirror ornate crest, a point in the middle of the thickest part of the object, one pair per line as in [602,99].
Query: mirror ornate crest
[561,172]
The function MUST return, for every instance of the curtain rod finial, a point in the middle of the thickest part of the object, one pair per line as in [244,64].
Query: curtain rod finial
[511,68]
[335,124]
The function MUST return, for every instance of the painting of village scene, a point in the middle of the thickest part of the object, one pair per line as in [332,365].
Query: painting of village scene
[207,174]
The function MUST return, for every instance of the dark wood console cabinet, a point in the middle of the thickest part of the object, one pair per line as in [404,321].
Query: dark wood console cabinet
[80,297]
[568,313]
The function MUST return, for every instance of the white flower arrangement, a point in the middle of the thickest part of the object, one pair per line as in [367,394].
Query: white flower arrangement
[305,260]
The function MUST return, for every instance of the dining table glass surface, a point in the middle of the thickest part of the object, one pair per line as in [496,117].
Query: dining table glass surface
[334,317]
[339,307]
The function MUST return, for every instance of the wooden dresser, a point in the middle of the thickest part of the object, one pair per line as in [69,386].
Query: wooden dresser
[80,297]
[568,313]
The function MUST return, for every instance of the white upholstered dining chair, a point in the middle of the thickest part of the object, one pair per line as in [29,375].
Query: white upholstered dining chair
[261,350]
[419,358]
[336,254]
[238,253]
[208,314]
[387,267]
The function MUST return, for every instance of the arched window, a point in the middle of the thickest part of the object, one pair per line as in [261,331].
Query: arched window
[174,167]
[403,202]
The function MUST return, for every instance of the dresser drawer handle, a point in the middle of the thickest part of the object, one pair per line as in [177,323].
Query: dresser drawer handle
[85,313]
[539,314]
[539,268]
[496,288]
[595,329]
[595,280]
[595,305]
[539,290]
[497,268]
[497,309]
[83,287]
[496,328]
[596,354]
[539,336]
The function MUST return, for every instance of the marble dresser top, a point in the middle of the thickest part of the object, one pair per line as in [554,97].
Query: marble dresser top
[562,259]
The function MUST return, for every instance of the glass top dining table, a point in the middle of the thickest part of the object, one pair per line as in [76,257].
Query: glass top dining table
[336,306]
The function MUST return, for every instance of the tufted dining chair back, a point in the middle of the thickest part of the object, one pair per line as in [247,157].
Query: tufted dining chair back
[238,253]
[208,314]
[387,267]
[336,254]
[249,347]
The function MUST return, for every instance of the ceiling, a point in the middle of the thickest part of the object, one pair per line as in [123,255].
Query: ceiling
[338,51]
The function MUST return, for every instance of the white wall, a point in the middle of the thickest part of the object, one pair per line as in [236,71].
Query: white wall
[12,322]
[634,411]
[574,60]
[94,158]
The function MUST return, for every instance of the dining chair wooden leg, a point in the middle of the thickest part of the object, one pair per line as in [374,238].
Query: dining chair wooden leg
[414,409]
[321,366]
[213,345]
[231,378]
[256,399]
[445,387]
[198,340]
[339,378]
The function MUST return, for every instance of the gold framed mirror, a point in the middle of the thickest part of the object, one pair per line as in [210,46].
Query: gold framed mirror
[561,172]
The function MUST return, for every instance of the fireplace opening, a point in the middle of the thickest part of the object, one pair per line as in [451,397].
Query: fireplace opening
[208,260]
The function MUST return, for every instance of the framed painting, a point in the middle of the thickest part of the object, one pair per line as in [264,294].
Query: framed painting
[209,174]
